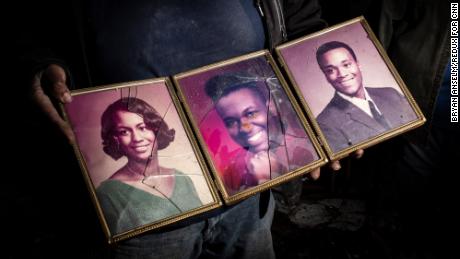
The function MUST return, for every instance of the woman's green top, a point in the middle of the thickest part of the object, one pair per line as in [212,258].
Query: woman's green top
[126,207]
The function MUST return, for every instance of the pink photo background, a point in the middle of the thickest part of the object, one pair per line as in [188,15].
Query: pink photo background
[220,145]
[317,92]
[214,132]
[85,112]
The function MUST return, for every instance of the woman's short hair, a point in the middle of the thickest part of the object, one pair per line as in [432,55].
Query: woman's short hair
[221,85]
[152,120]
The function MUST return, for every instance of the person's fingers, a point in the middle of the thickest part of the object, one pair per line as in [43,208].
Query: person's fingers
[335,165]
[45,103]
[359,153]
[57,77]
[314,175]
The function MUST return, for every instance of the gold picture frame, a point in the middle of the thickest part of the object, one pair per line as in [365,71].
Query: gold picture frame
[143,124]
[329,71]
[248,124]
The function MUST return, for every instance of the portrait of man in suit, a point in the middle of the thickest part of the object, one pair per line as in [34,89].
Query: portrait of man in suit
[356,112]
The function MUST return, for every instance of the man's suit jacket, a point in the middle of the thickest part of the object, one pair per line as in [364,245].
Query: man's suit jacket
[345,125]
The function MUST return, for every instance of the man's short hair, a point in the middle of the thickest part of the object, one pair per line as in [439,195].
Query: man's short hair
[221,85]
[333,45]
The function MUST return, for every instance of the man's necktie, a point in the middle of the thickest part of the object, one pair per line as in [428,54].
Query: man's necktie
[377,116]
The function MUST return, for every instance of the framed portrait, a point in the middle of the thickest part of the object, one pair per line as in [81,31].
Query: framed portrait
[250,128]
[348,87]
[139,158]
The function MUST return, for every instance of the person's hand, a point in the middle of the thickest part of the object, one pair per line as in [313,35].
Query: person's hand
[259,165]
[58,89]
[263,166]
[314,175]
[335,165]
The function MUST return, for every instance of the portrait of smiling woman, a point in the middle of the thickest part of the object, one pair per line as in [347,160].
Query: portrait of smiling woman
[142,191]
[249,126]
[250,107]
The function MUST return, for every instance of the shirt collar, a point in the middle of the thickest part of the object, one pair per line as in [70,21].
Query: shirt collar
[360,103]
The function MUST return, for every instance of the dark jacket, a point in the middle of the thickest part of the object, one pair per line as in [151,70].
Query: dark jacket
[416,36]
[69,44]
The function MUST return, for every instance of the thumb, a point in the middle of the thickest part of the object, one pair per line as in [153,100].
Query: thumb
[57,78]
[46,104]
